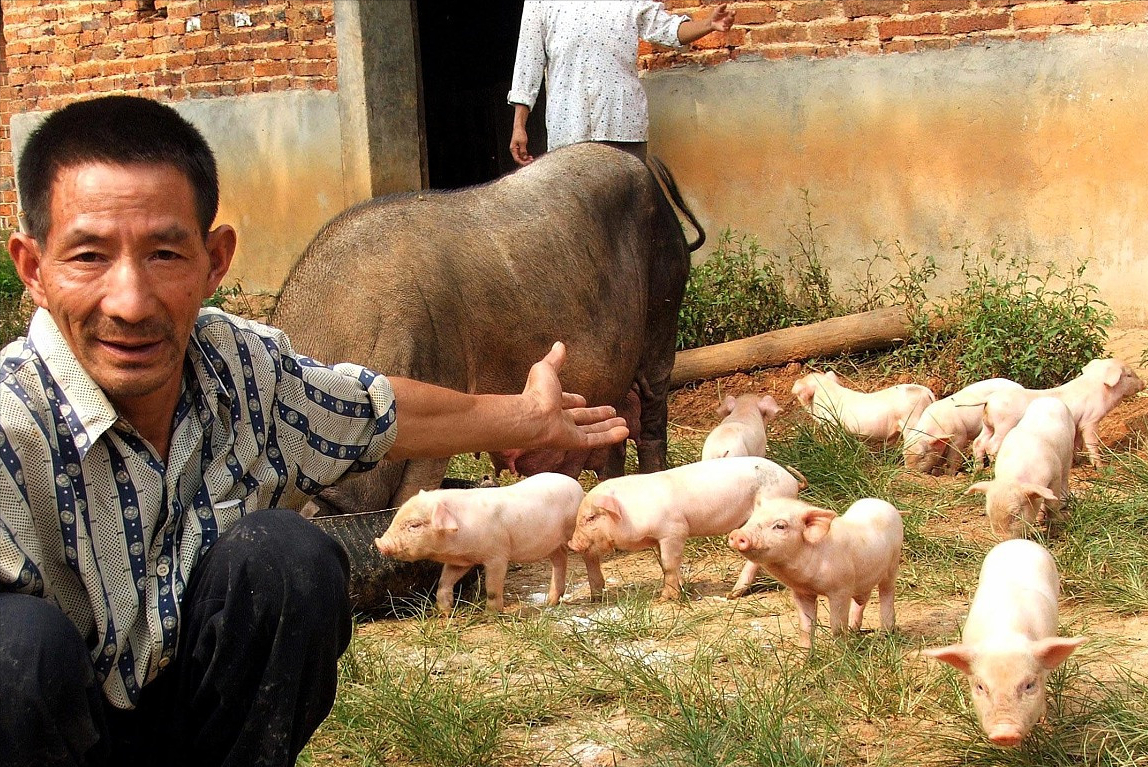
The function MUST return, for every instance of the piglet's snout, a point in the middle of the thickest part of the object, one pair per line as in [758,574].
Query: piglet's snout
[385,546]
[1006,735]
[739,541]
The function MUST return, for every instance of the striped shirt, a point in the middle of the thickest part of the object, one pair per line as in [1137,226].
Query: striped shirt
[588,52]
[93,519]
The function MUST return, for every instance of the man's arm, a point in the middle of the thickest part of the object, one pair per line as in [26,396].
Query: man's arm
[436,422]
[720,20]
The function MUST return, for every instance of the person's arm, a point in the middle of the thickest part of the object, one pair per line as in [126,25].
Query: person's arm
[719,20]
[518,137]
[436,422]
[529,69]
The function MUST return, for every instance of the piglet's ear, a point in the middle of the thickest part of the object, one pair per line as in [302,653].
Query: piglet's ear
[1112,374]
[980,487]
[768,406]
[609,504]
[1039,490]
[956,655]
[726,406]
[1052,651]
[817,522]
[442,520]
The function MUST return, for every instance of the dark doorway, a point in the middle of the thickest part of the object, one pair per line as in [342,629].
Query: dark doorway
[467,58]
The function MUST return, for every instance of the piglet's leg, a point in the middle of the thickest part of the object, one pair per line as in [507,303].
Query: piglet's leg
[806,617]
[745,580]
[594,575]
[885,591]
[839,613]
[857,612]
[444,596]
[495,581]
[670,555]
[557,575]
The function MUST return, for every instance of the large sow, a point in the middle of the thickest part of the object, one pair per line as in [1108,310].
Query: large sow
[468,288]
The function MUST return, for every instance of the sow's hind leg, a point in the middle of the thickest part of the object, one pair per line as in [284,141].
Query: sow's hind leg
[386,486]
[651,433]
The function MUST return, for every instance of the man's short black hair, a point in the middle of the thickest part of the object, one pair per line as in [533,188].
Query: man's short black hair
[117,130]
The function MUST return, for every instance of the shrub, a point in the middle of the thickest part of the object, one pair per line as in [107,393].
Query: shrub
[1011,320]
[734,293]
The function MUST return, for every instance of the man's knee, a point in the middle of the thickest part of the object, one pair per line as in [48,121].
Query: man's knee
[282,555]
[51,708]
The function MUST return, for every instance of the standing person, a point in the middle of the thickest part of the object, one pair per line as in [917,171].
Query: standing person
[588,51]
[159,603]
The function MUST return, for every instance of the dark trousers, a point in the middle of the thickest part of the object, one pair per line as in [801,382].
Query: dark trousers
[265,618]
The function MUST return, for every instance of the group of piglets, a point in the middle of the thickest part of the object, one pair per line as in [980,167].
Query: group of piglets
[1031,435]
[1009,643]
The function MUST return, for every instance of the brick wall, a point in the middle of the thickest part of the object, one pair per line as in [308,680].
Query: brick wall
[57,50]
[822,28]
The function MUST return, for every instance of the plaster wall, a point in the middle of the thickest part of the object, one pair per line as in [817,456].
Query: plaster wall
[280,173]
[1042,145]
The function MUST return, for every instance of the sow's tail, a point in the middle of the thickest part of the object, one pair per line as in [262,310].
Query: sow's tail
[663,174]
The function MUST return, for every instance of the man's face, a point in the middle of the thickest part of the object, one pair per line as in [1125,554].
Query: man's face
[123,272]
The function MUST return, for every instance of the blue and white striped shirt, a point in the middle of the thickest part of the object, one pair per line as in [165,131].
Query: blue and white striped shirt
[93,519]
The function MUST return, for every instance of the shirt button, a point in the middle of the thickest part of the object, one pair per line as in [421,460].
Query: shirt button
[163,662]
[162,570]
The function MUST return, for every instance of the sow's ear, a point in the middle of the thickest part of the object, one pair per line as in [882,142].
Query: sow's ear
[1052,651]
[442,520]
[817,522]
[956,655]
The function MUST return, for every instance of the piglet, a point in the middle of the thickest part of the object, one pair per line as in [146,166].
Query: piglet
[1009,643]
[817,553]
[662,509]
[938,440]
[742,430]
[877,417]
[524,522]
[1099,388]
[1032,469]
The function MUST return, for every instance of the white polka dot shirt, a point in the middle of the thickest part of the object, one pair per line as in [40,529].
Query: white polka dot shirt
[588,52]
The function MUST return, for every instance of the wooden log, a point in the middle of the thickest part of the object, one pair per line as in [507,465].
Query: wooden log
[874,329]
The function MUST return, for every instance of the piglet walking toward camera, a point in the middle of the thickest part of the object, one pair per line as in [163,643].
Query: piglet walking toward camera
[1031,473]
[525,522]
[742,430]
[938,441]
[817,553]
[663,509]
[877,417]
[1009,642]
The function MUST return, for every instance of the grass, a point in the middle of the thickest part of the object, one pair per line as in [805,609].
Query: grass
[714,682]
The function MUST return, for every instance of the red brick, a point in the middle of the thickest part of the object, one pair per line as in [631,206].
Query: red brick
[733,37]
[270,68]
[1053,15]
[779,33]
[856,8]
[922,25]
[831,33]
[754,14]
[938,6]
[1119,13]
[964,24]
[813,10]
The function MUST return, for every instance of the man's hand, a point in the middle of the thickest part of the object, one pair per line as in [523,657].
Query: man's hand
[565,421]
[518,137]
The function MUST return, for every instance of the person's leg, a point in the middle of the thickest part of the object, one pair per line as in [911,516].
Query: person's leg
[265,618]
[51,708]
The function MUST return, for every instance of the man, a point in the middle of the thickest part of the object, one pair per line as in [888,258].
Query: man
[157,603]
[587,50]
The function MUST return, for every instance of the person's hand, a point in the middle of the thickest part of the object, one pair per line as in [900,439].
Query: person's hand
[518,148]
[721,19]
[564,421]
